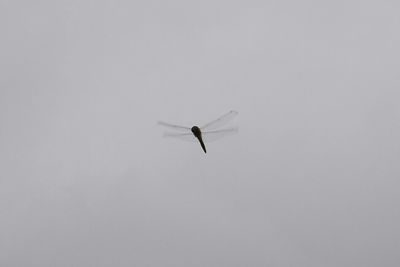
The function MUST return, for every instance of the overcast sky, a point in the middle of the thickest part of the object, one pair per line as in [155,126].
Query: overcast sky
[311,179]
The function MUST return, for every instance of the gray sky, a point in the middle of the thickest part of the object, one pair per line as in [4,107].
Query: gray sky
[312,178]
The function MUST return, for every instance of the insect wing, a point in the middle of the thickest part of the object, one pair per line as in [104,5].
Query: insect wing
[175,127]
[210,136]
[182,136]
[221,121]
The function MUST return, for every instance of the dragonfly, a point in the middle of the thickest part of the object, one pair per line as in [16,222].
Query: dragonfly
[207,133]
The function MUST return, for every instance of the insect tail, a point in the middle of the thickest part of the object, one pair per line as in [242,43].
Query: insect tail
[202,144]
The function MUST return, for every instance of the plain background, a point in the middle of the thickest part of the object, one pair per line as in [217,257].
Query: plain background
[312,178]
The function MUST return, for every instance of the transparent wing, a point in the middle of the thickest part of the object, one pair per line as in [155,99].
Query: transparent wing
[221,121]
[210,136]
[175,127]
[182,136]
